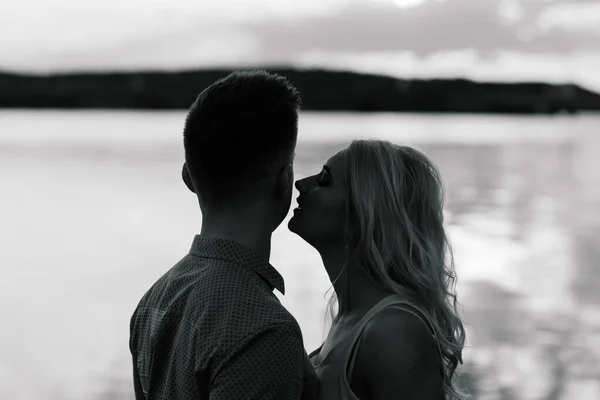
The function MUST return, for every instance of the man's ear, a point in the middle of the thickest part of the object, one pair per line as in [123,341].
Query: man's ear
[285,181]
[187,179]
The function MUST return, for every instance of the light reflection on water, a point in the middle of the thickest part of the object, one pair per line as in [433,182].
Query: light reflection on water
[93,212]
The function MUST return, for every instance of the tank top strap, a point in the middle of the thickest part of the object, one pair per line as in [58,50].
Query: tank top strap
[394,301]
[360,325]
[376,309]
[423,316]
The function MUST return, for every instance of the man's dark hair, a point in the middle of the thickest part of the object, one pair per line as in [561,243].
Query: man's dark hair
[237,129]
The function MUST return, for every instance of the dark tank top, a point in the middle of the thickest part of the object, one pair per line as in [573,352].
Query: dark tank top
[335,369]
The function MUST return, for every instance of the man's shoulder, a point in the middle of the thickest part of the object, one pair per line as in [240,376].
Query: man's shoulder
[220,279]
[236,296]
[217,297]
[239,305]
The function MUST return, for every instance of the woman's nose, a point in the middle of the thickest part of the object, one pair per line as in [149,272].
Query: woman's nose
[303,185]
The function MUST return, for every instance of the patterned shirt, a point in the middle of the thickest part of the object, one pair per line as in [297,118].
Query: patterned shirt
[211,327]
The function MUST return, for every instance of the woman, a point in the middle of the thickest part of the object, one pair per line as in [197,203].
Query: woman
[374,213]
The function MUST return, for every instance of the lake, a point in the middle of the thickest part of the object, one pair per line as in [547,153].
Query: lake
[93,211]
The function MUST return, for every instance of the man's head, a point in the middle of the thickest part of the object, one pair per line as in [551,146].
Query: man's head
[239,140]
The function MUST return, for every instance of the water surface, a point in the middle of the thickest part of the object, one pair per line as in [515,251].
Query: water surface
[93,211]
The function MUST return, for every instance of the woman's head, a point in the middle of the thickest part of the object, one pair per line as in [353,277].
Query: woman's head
[370,190]
[385,202]
[321,213]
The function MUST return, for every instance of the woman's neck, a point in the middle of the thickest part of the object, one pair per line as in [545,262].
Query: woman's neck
[356,293]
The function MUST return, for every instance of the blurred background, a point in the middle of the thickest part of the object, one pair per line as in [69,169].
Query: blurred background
[504,95]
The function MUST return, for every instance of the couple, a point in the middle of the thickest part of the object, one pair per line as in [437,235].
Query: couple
[212,328]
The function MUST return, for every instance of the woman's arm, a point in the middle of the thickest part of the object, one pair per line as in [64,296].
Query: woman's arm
[398,358]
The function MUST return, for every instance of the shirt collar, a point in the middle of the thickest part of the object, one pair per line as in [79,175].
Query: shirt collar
[235,252]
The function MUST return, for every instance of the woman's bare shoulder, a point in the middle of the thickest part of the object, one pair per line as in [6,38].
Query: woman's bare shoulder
[398,353]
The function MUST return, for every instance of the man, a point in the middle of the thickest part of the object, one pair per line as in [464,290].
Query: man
[211,327]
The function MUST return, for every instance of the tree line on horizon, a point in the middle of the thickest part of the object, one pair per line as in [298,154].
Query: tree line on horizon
[321,90]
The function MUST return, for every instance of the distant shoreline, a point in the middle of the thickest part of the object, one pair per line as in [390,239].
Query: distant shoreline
[321,90]
[157,133]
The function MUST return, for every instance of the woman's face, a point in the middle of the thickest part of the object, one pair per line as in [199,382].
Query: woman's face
[320,218]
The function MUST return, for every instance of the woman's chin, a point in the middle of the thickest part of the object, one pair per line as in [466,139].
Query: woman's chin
[292,224]
[301,226]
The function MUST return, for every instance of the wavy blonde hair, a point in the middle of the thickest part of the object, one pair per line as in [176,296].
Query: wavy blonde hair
[395,228]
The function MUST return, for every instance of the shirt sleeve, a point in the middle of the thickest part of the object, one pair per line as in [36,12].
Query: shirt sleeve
[137,384]
[268,366]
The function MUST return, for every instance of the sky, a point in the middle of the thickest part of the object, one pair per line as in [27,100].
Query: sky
[498,40]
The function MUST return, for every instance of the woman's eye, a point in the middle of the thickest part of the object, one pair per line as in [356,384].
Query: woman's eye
[322,179]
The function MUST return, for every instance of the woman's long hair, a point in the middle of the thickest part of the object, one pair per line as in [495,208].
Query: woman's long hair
[395,229]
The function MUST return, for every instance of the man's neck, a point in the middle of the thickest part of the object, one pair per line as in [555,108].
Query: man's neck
[245,230]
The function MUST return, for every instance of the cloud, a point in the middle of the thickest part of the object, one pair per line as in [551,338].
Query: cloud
[46,35]
[581,17]
[482,39]
[435,26]
[579,67]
